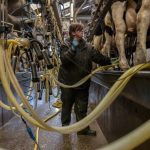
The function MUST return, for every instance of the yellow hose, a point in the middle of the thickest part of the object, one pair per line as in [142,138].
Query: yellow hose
[107,100]
[131,140]
[53,76]
[19,91]
[9,92]
[21,95]
[91,117]
[37,130]
[58,32]
[37,138]
[9,52]
[9,41]
[11,45]
[7,107]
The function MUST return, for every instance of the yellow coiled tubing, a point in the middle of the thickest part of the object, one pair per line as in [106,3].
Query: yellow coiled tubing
[107,100]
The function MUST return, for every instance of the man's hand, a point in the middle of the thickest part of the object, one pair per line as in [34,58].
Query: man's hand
[75,44]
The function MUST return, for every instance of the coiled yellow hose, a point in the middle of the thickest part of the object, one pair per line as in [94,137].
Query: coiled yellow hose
[93,115]
[12,47]
[8,90]
[35,120]
[54,75]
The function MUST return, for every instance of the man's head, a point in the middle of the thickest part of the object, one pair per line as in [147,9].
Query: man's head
[76,30]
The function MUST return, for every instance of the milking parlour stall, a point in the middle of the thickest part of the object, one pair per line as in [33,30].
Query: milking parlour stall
[33,35]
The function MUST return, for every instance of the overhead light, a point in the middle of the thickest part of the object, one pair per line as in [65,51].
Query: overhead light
[35,6]
[86,7]
[72,9]
[39,15]
[65,5]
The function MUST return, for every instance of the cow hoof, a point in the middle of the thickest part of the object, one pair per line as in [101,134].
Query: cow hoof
[140,56]
[139,61]
[124,66]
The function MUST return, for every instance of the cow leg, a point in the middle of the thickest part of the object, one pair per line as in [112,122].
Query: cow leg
[106,48]
[108,35]
[143,21]
[97,41]
[118,9]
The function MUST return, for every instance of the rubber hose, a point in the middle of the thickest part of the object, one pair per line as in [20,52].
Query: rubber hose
[34,72]
[14,63]
[47,59]
[37,46]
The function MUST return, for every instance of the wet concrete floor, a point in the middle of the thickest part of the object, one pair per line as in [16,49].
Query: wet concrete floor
[13,135]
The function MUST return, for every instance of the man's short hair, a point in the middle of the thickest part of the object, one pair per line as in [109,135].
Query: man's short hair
[75,27]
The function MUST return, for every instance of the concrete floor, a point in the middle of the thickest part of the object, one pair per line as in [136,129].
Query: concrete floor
[13,135]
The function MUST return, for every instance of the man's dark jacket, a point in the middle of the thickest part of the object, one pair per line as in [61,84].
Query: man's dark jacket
[77,64]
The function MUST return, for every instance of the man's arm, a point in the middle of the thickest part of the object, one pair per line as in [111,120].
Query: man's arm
[66,53]
[98,58]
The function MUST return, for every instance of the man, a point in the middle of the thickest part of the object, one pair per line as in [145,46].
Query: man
[76,57]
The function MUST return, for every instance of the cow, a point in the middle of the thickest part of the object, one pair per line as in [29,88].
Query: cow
[127,18]
[143,23]
[122,25]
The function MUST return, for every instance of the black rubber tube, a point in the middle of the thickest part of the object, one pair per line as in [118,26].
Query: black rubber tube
[14,63]
[34,72]
[47,59]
